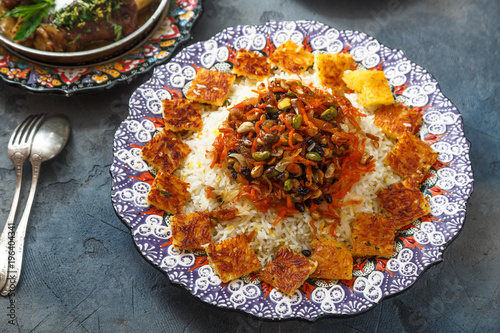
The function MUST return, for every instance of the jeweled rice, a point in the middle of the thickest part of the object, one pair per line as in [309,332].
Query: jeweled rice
[293,231]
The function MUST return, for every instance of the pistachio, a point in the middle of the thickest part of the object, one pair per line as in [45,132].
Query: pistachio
[297,121]
[271,138]
[288,185]
[271,109]
[329,113]
[313,156]
[271,172]
[257,171]
[261,155]
[284,104]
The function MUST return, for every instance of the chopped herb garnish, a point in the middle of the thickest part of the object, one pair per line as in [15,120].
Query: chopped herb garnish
[31,16]
[75,40]
[165,193]
[368,243]
[118,31]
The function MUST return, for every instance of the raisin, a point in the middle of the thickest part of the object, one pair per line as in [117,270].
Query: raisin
[245,171]
[302,190]
[300,207]
[318,200]
[319,150]
[234,174]
[306,253]
[328,198]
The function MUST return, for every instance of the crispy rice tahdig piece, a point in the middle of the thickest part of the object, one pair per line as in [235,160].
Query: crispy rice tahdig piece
[251,64]
[291,58]
[287,271]
[331,67]
[372,87]
[333,257]
[404,202]
[411,157]
[165,151]
[191,231]
[232,258]
[395,119]
[373,235]
[168,193]
[181,115]
[210,87]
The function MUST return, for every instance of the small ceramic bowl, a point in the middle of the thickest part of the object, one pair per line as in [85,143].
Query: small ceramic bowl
[94,56]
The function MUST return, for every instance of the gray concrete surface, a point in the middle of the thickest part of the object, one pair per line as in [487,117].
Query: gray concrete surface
[82,272]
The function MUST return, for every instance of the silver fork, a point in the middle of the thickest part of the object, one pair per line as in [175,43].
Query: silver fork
[18,150]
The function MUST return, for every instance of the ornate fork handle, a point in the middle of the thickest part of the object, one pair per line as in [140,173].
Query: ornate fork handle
[20,234]
[7,241]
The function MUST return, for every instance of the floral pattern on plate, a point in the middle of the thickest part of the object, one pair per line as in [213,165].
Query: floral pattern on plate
[173,32]
[417,246]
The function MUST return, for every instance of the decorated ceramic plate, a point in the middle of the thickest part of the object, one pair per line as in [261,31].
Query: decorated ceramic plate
[173,32]
[448,185]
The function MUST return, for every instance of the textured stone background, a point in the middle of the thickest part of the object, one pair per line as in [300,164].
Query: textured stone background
[82,272]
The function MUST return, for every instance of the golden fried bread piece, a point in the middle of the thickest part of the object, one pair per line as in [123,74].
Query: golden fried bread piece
[165,151]
[287,271]
[333,257]
[331,67]
[251,64]
[404,202]
[395,119]
[232,258]
[372,87]
[291,58]
[411,157]
[372,235]
[168,193]
[181,115]
[190,231]
[210,87]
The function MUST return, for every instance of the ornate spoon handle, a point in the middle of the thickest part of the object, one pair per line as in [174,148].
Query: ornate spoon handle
[7,237]
[20,234]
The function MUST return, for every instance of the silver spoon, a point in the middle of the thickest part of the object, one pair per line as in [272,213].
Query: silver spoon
[49,140]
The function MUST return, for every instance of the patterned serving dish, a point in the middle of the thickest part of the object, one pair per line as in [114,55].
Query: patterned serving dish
[173,31]
[448,186]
